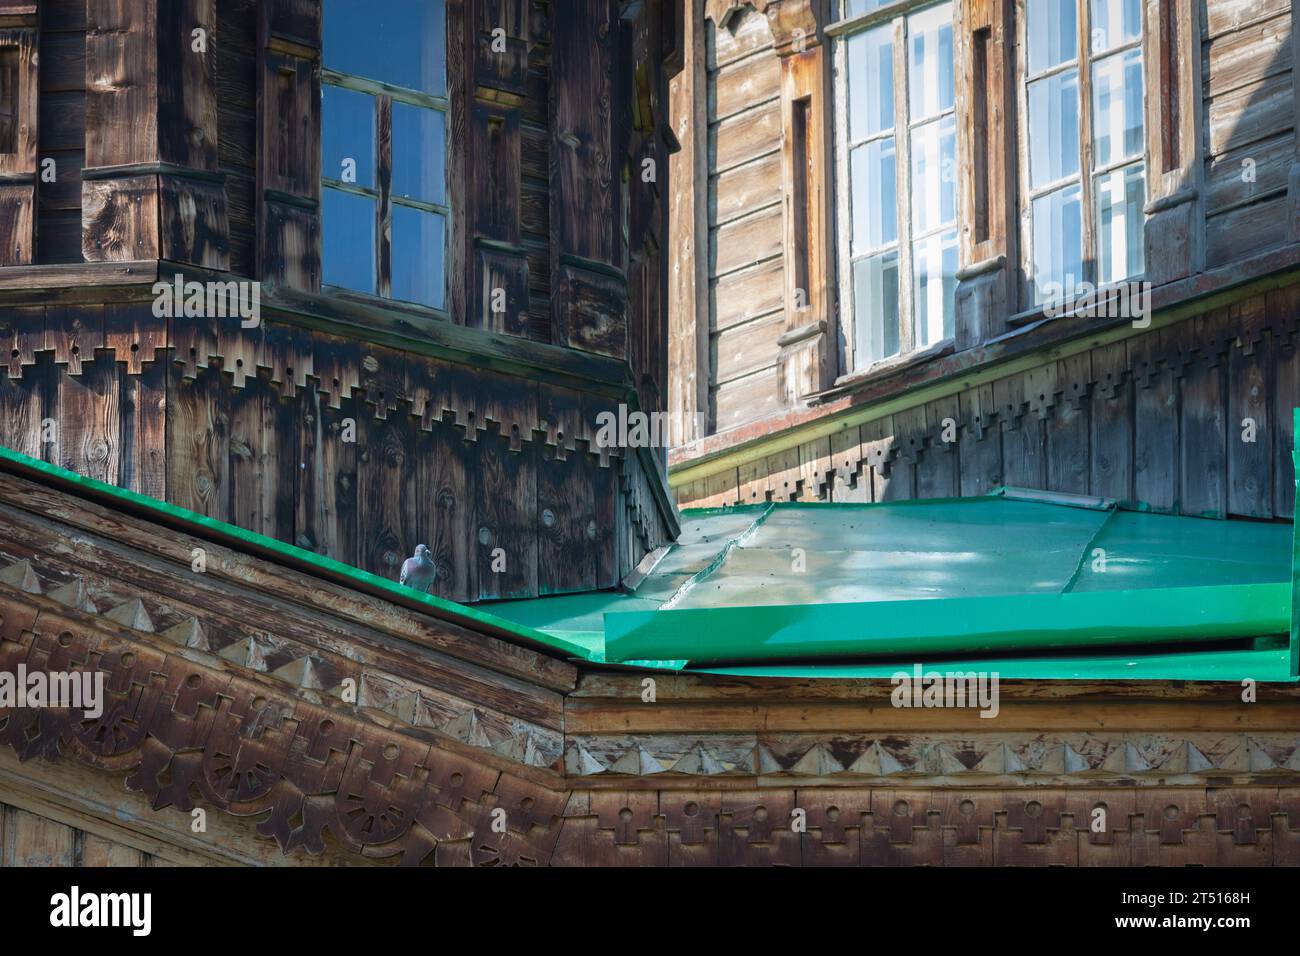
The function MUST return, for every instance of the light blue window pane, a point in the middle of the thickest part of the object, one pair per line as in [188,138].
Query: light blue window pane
[1058,244]
[1051,29]
[875,303]
[1120,196]
[1114,23]
[934,174]
[855,7]
[402,42]
[930,79]
[348,240]
[347,135]
[934,268]
[1117,110]
[874,195]
[1053,128]
[871,82]
[419,153]
[417,254]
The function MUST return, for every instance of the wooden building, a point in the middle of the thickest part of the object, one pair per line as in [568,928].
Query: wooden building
[288,287]
[775,333]
[157,140]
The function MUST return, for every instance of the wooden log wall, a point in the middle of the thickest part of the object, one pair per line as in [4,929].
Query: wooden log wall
[1192,418]
[355,451]
[745,252]
[189,132]
[34,839]
[1249,96]
[1223,183]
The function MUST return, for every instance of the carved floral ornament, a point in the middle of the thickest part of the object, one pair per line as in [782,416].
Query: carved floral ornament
[789,20]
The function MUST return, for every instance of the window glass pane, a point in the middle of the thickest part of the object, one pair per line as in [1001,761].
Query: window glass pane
[934,176]
[1058,236]
[1114,23]
[348,241]
[1053,128]
[1117,123]
[930,78]
[871,82]
[853,7]
[875,301]
[396,41]
[419,153]
[1052,33]
[934,267]
[347,135]
[1120,195]
[874,195]
[417,256]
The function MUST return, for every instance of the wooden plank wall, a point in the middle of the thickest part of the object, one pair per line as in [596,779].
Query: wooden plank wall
[31,839]
[1230,193]
[351,450]
[1249,120]
[746,267]
[1192,418]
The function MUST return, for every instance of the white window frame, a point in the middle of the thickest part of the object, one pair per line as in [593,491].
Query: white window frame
[1086,173]
[897,15]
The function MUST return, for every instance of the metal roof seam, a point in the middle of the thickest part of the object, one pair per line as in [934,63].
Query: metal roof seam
[1087,551]
[718,560]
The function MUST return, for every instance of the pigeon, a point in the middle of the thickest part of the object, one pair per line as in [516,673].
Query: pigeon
[419,571]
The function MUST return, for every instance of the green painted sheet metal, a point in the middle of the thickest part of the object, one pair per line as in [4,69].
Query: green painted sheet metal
[957,626]
[1013,570]
[1295,547]
[1258,664]
[203,526]
[1018,571]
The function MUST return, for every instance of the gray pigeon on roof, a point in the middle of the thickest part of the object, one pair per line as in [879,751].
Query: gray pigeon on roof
[419,571]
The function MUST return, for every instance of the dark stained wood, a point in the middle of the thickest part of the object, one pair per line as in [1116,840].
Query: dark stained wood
[1204,424]
[1249,430]
[1069,449]
[198,429]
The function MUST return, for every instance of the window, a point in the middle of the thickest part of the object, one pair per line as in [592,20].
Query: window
[897,152]
[383,150]
[1085,175]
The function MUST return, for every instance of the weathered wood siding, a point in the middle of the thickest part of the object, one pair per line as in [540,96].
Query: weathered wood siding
[746,265]
[1194,417]
[351,450]
[1222,199]
[1249,102]
[188,132]
[33,839]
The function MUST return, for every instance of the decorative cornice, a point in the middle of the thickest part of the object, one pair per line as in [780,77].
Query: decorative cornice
[1021,757]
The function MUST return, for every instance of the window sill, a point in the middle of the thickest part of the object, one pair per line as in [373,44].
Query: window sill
[886,367]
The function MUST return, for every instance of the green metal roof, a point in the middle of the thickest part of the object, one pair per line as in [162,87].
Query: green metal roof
[1031,584]
[1040,584]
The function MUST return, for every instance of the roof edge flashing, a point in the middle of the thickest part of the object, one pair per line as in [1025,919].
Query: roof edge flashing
[280,552]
